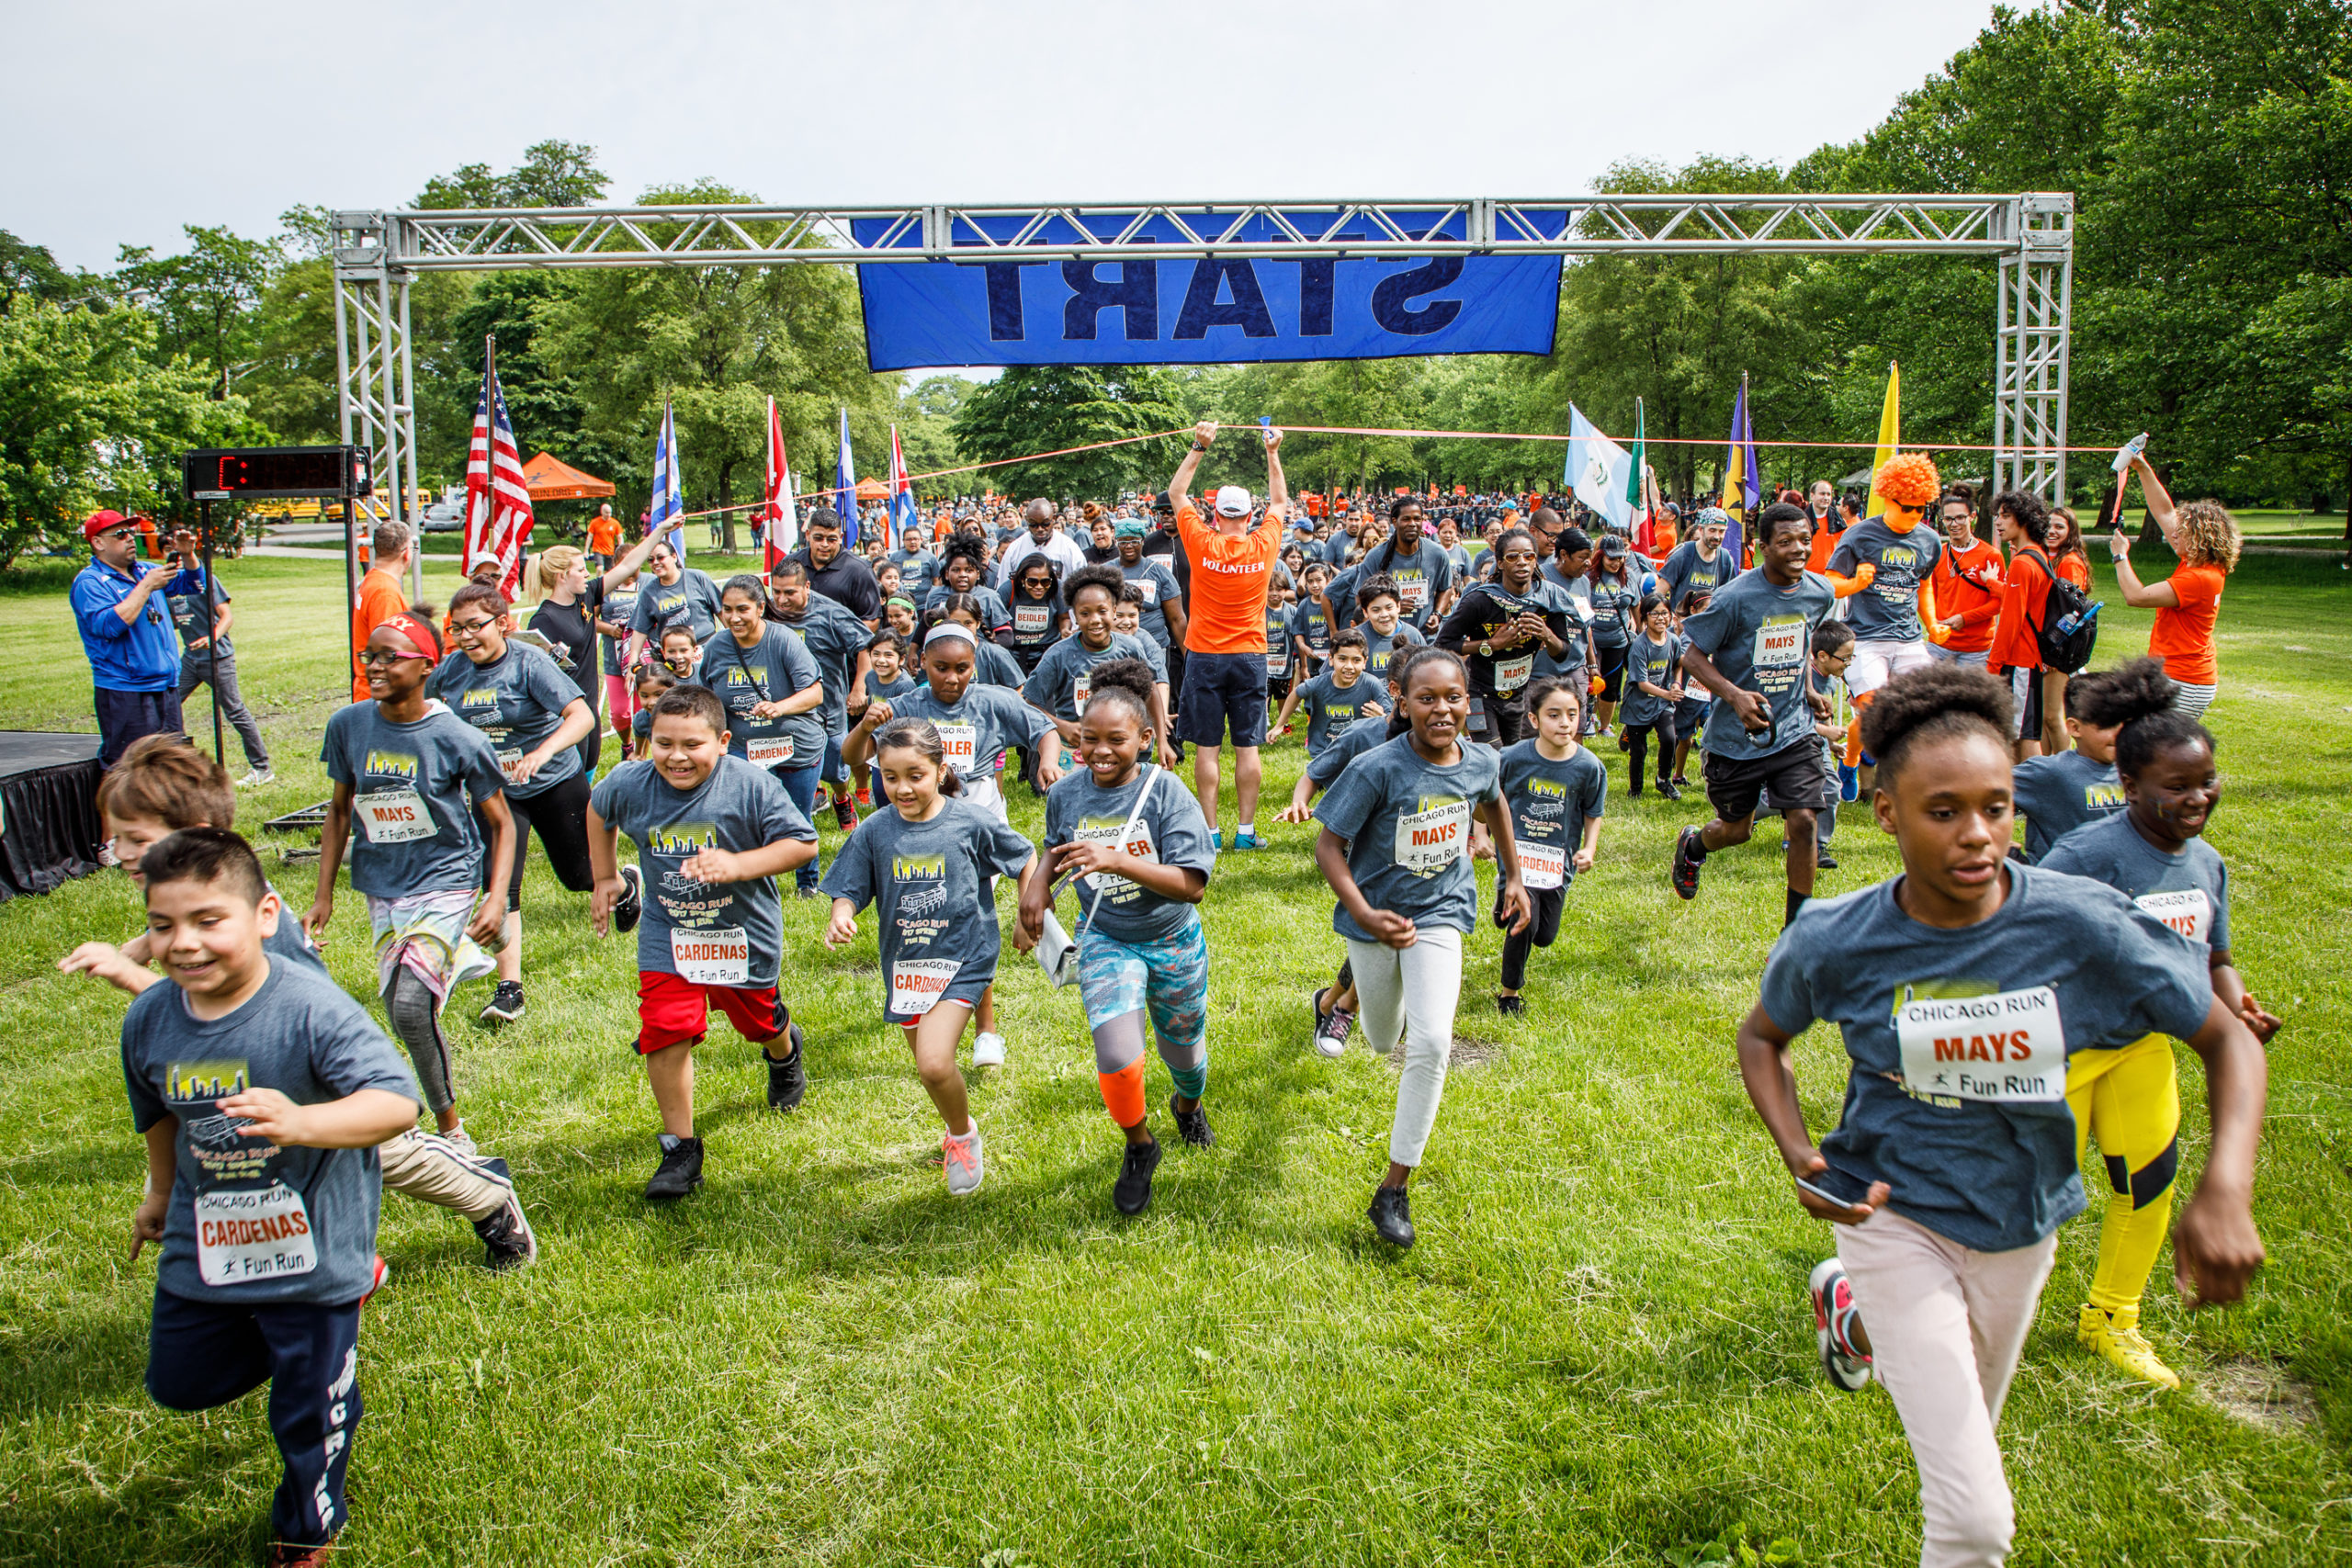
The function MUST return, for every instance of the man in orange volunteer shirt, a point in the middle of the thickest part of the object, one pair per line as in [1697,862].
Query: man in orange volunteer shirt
[604,537]
[380,594]
[1967,586]
[1225,641]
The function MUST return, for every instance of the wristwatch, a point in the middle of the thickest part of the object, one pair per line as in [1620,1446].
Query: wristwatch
[1487,647]
[1198,446]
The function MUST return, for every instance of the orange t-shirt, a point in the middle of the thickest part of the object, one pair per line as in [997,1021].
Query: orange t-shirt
[1968,604]
[605,535]
[2075,570]
[1230,575]
[379,600]
[2182,638]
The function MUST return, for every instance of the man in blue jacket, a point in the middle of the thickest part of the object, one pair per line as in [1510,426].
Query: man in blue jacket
[134,654]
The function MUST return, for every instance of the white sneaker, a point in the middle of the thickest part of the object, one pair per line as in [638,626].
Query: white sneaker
[988,1050]
[961,1157]
[257,777]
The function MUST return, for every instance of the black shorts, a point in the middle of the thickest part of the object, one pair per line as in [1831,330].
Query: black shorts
[2029,708]
[1788,780]
[1612,671]
[1224,691]
[1497,721]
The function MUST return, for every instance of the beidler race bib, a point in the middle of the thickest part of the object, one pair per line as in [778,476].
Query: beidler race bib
[2008,1047]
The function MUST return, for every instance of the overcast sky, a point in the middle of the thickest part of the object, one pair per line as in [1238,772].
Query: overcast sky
[125,120]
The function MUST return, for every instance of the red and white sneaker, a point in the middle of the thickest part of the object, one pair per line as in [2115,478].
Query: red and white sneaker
[378,1273]
[1836,1323]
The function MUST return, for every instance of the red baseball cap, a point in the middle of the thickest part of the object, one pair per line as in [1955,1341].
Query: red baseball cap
[100,522]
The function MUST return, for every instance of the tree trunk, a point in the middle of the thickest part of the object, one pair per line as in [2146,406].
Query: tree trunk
[2348,511]
[726,495]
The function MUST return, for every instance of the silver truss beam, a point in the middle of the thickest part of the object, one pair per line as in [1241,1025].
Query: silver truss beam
[2031,344]
[375,375]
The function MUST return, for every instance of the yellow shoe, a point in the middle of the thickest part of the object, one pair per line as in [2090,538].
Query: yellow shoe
[2116,1336]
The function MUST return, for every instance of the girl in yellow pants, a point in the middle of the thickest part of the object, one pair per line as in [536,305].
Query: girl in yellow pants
[2127,1098]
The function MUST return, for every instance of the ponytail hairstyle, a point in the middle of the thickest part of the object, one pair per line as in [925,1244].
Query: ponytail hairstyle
[553,563]
[2136,701]
[1942,701]
[1127,680]
[921,737]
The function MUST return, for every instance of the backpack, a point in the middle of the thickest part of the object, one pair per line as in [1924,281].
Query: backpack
[2065,651]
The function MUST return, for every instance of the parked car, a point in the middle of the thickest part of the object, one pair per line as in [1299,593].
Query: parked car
[443,517]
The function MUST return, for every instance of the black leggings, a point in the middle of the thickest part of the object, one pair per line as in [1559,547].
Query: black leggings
[559,816]
[1637,741]
[1613,669]
[1540,932]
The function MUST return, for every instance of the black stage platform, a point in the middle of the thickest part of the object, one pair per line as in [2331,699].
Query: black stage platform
[48,811]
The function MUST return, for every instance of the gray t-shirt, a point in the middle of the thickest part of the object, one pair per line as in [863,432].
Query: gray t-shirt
[1550,801]
[728,933]
[1407,824]
[1761,638]
[619,609]
[1685,572]
[1064,676]
[1346,747]
[1380,650]
[834,638]
[1170,831]
[1331,707]
[1888,610]
[1955,1095]
[2059,794]
[414,789]
[2189,891]
[1659,663]
[1310,626]
[994,616]
[517,701]
[692,601]
[250,1221]
[916,570]
[930,882]
[770,671]
[976,729]
[193,613]
[1159,585]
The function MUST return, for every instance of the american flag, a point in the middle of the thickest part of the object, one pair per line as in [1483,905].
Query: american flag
[498,503]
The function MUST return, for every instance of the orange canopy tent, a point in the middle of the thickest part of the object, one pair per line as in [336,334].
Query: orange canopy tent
[872,490]
[548,479]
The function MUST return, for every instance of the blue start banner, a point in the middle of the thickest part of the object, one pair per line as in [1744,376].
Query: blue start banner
[1203,311]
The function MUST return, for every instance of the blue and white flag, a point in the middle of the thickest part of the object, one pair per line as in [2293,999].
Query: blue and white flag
[845,488]
[1597,471]
[668,510]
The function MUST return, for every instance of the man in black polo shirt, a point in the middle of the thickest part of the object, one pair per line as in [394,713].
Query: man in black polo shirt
[835,573]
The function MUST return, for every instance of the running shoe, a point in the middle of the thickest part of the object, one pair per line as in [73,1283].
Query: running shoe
[680,1171]
[865,797]
[631,903]
[1217,838]
[2116,1336]
[257,777]
[1392,1216]
[988,1049]
[462,1141]
[286,1555]
[1193,1124]
[963,1162]
[378,1271]
[1247,842]
[508,1236]
[1825,861]
[1332,1031]
[846,812]
[505,1004]
[1669,789]
[1835,1318]
[788,1078]
[1685,873]
[1511,1006]
[1131,1194]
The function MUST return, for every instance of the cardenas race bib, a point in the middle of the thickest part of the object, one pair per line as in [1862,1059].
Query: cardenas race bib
[2008,1047]
[917,984]
[713,955]
[1542,866]
[260,1233]
[393,815]
[768,751]
[2189,911]
[1430,839]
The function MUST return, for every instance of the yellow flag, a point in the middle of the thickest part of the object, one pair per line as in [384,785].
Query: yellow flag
[1889,436]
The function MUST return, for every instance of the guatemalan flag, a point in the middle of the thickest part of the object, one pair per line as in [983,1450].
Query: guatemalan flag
[668,511]
[902,494]
[845,488]
[498,501]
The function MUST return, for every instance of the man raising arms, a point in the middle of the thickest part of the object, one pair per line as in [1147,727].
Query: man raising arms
[1225,639]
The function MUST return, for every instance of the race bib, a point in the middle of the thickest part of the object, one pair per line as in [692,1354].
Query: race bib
[712,955]
[1542,866]
[1277,661]
[2189,912]
[1138,844]
[1512,673]
[394,816]
[769,751]
[960,745]
[1150,590]
[1429,842]
[1081,689]
[1780,643]
[508,758]
[248,1235]
[917,984]
[1412,592]
[1029,620]
[2008,1047]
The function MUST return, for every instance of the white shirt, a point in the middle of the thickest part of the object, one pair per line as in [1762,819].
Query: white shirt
[1060,549]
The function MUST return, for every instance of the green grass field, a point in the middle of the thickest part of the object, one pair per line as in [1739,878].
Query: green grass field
[1598,1352]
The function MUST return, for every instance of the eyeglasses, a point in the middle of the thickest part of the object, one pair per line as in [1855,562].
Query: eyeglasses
[372,657]
[475,626]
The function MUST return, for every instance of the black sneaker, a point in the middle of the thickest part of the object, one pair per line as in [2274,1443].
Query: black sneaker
[1668,789]
[680,1174]
[631,903]
[1131,1194]
[1511,1006]
[788,1078]
[1685,874]
[508,1236]
[846,812]
[505,1004]
[1825,861]
[1392,1216]
[1193,1124]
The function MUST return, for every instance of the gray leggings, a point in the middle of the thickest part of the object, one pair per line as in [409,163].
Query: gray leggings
[416,1018]
[194,669]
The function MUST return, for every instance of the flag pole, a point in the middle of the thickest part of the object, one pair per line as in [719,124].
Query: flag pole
[488,459]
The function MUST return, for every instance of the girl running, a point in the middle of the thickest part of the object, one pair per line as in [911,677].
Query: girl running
[2155,854]
[1060,682]
[1395,849]
[995,666]
[1615,595]
[1555,791]
[567,617]
[1959,986]
[613,613]
[1653,671]
[1310,620]
[1039,617]
[534,718]
[769,682]
[2189,603]
[646,685]
[929,866]
[1134,838]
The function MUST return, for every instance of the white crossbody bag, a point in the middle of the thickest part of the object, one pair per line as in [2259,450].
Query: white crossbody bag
[1056,949]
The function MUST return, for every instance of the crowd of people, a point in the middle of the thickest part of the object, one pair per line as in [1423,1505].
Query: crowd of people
[2002,1004]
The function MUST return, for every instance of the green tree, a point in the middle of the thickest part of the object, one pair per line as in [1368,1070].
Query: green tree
[89,418]
[1045,408]
[28,271]
[926,418]
[552,173]
[203,300]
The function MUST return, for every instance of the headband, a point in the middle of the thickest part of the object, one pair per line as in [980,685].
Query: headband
[954,629]
[419,635]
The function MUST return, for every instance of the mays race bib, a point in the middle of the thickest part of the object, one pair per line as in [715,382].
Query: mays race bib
[2008,1047]
[713,955]
[917,984]
[1427,841]
[1780,643]
[393,815]
[1542,866]
[2189,912]
[261,1234]
[1512,673]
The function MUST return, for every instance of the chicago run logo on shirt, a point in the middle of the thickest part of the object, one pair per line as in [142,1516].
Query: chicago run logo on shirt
[479,697]
[681,838]
[2104,796]
[388,765]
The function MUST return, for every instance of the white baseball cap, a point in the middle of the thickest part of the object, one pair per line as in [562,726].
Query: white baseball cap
[1232,501]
